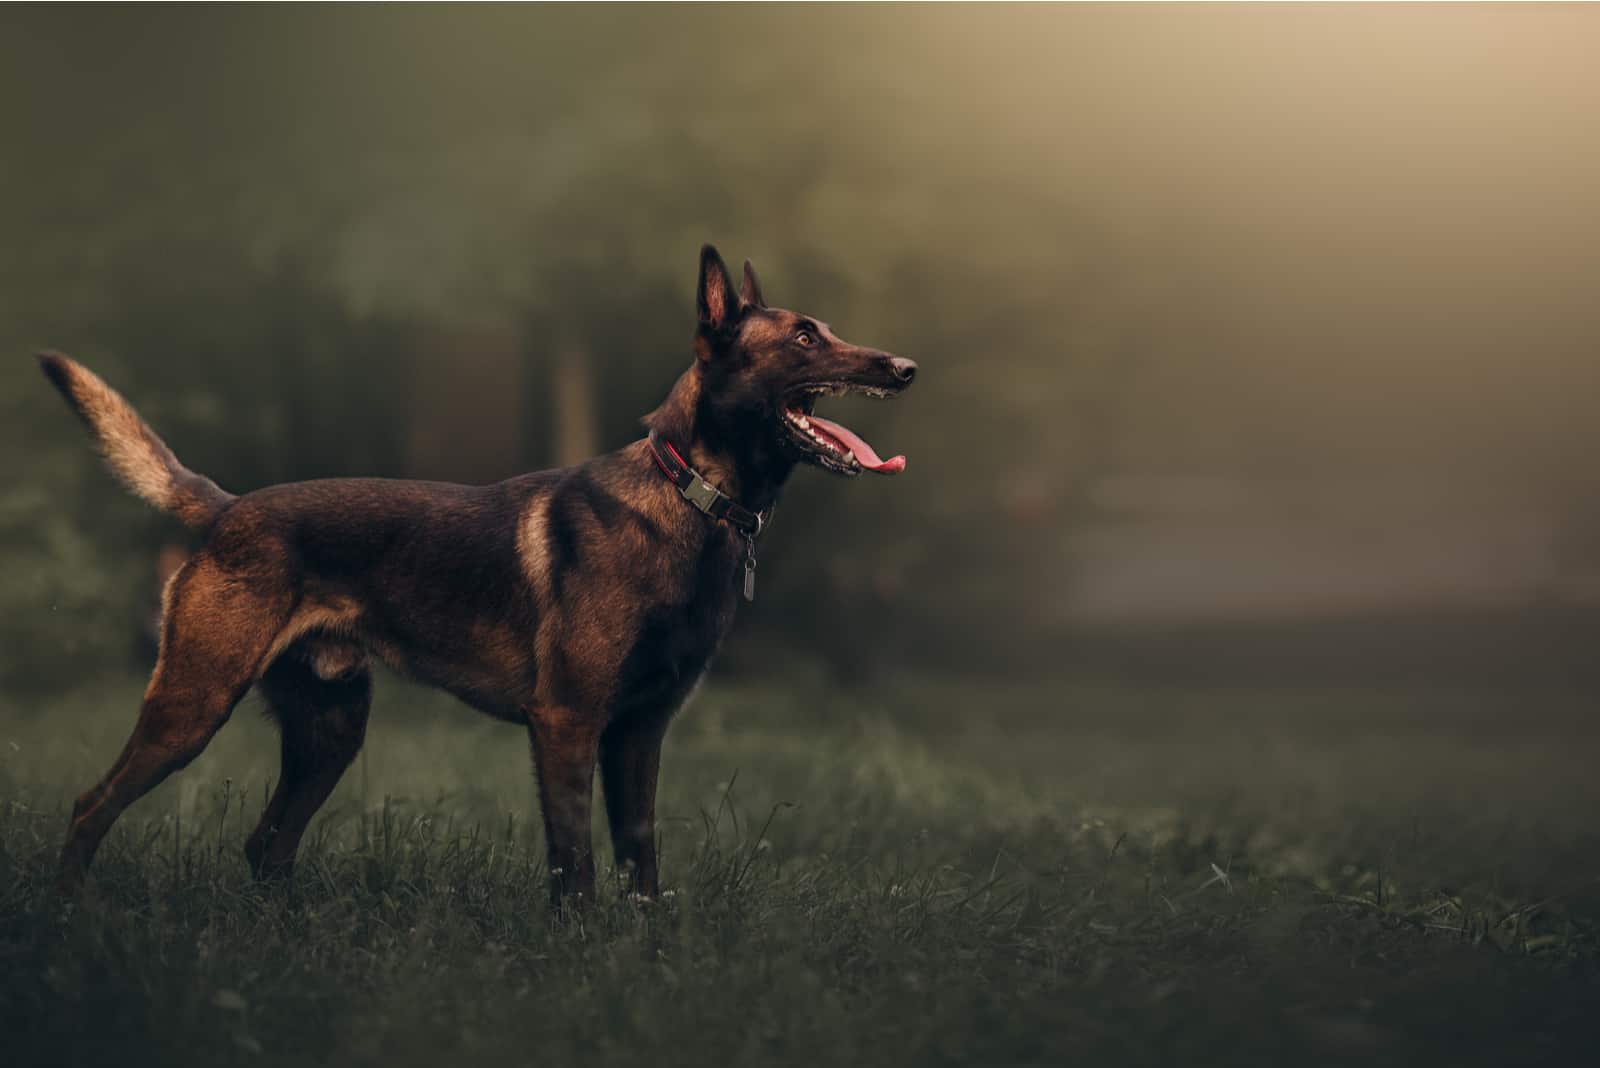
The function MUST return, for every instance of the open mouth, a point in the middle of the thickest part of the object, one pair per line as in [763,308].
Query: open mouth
[832,445]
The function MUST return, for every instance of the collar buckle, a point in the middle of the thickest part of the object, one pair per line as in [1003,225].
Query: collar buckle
[700,493]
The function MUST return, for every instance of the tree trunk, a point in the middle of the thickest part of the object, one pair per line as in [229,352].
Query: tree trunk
[577,436]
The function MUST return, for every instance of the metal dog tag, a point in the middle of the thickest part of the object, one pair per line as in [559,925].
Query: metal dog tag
[749,568]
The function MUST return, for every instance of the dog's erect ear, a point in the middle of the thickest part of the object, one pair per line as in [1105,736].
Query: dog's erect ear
[717,302]
[750,289]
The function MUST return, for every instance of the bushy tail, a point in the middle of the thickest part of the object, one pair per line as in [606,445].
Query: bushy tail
[131,448]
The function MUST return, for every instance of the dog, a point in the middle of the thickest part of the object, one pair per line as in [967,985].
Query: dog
[584,602]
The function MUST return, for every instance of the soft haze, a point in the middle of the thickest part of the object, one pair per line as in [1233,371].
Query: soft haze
[1225,314]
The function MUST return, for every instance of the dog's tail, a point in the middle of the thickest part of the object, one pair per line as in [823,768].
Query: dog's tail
[131,449]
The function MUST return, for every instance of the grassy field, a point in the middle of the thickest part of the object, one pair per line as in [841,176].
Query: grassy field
[932,873]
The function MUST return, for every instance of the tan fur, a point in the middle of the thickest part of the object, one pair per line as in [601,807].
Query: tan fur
[531,547]
[762,331]
[716,303]
[131,449]
[167,590]
[334,614]
[334,658]
[120,433]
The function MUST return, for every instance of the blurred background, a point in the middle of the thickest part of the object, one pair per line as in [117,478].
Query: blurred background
[1257,344]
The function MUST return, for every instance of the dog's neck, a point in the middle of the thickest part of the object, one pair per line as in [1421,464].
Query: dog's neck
[736,452]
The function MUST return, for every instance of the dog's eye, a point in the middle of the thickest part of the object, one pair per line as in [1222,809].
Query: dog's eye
[804,338]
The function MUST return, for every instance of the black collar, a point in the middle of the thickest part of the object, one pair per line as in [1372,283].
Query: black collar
[702,494]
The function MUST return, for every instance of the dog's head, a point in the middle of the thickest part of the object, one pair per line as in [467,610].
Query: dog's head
[762,370]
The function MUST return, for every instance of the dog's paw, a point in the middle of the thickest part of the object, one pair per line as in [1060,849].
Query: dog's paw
[666,897]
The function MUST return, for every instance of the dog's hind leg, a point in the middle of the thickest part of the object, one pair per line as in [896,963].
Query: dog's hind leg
[323,722]
[218,629]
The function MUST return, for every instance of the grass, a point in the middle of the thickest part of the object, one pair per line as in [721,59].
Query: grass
[931,873]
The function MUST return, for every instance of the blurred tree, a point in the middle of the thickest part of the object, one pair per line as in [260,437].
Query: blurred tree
[268,268]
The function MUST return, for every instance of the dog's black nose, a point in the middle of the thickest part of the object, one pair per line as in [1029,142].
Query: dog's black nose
[905,370]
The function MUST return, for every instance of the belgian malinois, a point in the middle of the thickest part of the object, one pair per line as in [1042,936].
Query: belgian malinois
[583,602]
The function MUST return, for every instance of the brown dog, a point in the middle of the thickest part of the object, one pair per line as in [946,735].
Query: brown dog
[583,602]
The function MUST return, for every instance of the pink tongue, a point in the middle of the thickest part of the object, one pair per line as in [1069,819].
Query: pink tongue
[863,452]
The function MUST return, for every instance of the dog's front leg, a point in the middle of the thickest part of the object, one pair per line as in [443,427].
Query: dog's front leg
[630,760]
[565,743]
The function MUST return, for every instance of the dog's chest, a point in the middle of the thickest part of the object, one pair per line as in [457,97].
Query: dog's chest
[675,642]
